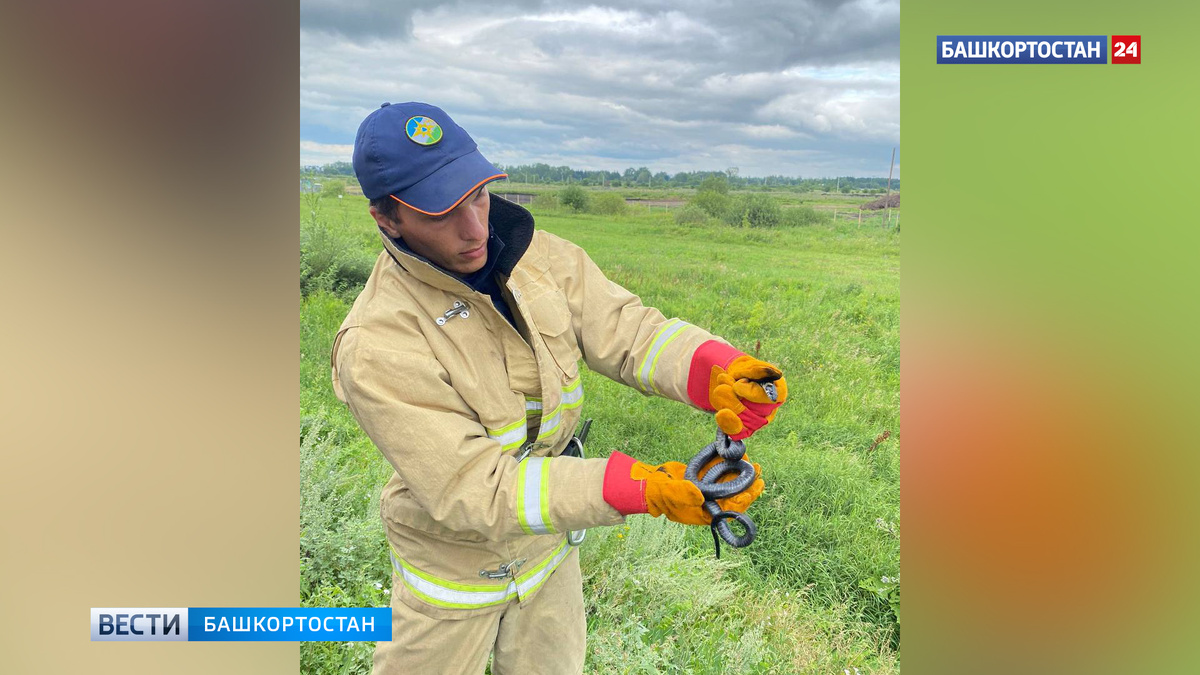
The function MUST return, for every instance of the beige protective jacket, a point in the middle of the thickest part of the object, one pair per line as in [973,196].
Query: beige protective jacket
[474,415]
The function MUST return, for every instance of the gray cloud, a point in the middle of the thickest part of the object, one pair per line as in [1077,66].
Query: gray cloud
[357,19]
[776,87]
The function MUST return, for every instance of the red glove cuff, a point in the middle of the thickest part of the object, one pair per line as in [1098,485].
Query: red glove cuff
[751,421]
[623,493]
[707,355]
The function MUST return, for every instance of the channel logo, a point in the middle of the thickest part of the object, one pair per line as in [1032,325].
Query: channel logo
[1064,49]
[241,624]
[1127,49]
[139,624]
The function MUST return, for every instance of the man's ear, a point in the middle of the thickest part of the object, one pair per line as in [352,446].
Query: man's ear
[388,226]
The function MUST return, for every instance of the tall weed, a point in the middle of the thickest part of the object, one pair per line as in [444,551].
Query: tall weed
[332,256]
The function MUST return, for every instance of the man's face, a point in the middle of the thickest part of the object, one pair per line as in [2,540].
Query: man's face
[456,241]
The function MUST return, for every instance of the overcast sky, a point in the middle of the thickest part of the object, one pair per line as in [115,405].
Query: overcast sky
[800,88]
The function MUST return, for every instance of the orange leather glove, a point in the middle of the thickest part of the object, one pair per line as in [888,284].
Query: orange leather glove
[632,487]
[725,381]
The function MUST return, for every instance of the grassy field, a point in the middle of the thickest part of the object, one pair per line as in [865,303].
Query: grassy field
[817,592]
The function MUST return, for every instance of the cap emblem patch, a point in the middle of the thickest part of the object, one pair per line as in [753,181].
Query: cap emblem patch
[423,130]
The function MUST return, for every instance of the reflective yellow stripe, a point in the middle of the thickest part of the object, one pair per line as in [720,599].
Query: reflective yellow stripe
[533,408]
[533,579]
[511,436]
[645,372]
[533,496]
[445,593]
[654,363]
[572,397]
[448,593]
[550,424]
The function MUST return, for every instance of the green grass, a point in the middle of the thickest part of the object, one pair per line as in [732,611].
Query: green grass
[820,301]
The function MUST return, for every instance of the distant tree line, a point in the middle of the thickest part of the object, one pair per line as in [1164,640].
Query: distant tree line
[644,177]
[334,169]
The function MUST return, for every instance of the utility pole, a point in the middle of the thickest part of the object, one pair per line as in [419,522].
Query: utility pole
[893,166]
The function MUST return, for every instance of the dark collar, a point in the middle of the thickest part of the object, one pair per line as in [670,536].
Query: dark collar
[510,230]
[513,225]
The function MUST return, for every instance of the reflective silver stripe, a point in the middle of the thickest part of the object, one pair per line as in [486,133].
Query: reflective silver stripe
[530,583]
[511,436]
[533,496]
[449,594]
[550,424]
[572,396]
[668,332]
[533,408]
[469,596]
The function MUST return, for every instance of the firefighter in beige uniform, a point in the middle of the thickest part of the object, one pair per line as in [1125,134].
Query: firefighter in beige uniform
[459,359]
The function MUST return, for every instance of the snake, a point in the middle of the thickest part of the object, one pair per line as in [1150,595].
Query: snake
[732,452]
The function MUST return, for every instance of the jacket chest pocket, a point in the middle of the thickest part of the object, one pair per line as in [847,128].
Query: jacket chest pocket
[552,318]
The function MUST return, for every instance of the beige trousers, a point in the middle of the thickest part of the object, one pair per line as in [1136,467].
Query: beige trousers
[546,635]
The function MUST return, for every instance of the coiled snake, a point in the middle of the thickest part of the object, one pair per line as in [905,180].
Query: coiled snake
[731,452]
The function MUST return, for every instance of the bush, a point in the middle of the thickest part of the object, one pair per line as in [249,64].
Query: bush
[714,203]
[762,211]
[333,188]
[718,184]
[574,197]
[802,216]
[608,204]
[691,214]
[734,214]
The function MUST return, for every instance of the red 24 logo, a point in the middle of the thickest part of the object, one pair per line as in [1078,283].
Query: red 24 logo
[1127,49]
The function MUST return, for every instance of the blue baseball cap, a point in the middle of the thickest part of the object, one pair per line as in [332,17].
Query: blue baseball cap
[416,154]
